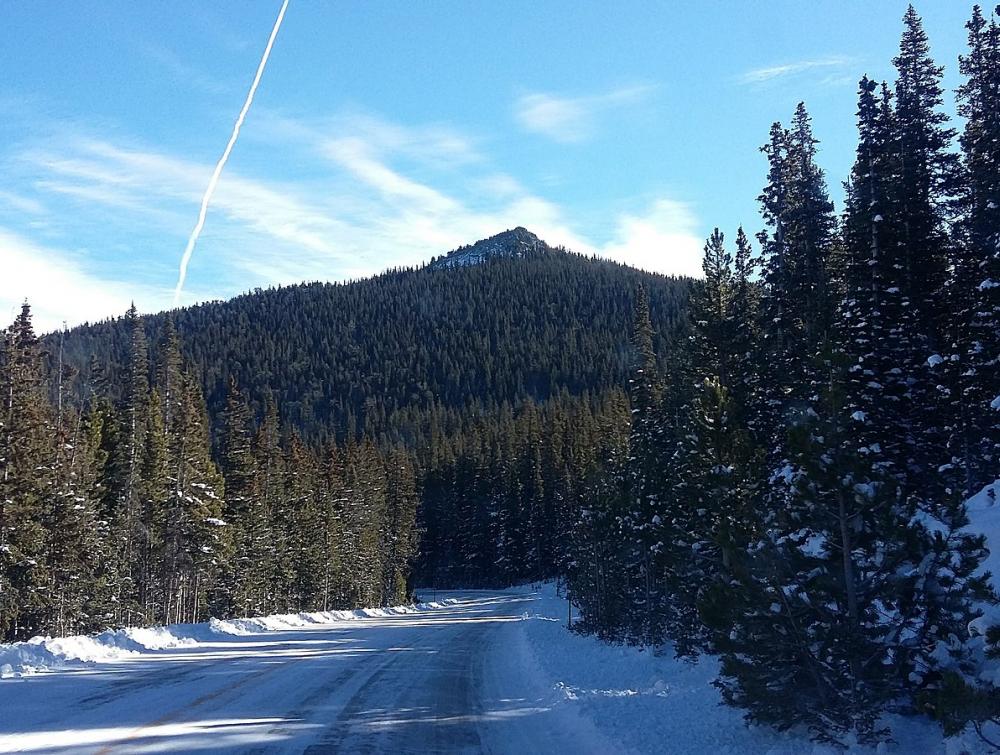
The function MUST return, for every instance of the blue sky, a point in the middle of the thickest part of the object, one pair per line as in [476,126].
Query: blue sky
[385,133]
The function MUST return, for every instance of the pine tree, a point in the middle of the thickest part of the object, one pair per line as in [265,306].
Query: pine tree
[709,516]
[196,536]
[975,290]
[100,434]
[301,520]
[796,306]
[924,192]
[267,547]
[952,690]
[400,536]
[641,515]
[156,497]
[26,460]
[364,522]
[72,549]
[872,309]
[122,505]
[332,521]
[799,623]
[244,510]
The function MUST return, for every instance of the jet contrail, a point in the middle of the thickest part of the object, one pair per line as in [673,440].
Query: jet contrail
[214,180]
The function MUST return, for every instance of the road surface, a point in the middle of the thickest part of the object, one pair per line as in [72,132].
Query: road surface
[451,679]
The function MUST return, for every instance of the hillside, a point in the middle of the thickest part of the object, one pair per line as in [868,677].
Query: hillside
[504,320]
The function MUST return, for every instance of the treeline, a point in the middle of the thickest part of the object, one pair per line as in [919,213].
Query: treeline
[793,496]
[113,512]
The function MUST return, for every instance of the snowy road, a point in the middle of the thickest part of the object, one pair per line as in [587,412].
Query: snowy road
[444,680]
[493,672]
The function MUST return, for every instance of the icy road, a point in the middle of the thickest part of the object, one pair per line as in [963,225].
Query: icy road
[492,672]
[435,681]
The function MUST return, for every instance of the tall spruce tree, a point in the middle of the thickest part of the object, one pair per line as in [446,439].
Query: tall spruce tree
[975,290]
[122,506]
[244,510]
[641,521]
[924,195]
[400,536]
[196,536]
[26,467]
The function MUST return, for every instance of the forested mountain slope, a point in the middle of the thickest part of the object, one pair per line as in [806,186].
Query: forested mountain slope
[515,320]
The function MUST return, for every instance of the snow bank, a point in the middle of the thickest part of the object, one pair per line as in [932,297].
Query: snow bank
[647,701]
[984,518]
[983,510]
[40,654]
[44,653]
[644,700]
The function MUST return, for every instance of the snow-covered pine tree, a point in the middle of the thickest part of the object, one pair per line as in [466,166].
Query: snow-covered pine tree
[806,641]
[954,691]
[710,515]
[196,536]
[76,549]
[641,520]
[871,299]
[922,206]
[795,308]
[928,175]
[975,289]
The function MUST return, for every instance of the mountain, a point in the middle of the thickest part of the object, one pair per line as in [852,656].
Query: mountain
[515,244]
[524,323]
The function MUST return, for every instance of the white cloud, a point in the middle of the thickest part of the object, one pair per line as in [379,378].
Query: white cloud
[572,119]
[59,289]
[769,73]
[662,240]
[373,195]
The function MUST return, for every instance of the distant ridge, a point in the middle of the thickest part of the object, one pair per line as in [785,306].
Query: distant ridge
[514,243]
[386,355]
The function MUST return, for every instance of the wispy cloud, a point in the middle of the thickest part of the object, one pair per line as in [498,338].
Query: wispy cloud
[21,203]
[770,73]
[144,181]
[434,145]
[369,194]
[573,119]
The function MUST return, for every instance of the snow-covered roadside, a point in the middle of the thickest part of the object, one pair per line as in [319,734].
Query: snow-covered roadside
[653,703]
[41,654]
[645,702]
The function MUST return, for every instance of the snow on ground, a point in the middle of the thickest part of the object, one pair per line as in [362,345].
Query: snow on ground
[41,654]
[476,671]
[473,671]
[647,702]
[652,702]
[984,519]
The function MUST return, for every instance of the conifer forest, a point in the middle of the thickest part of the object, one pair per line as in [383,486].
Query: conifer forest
[768,464]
